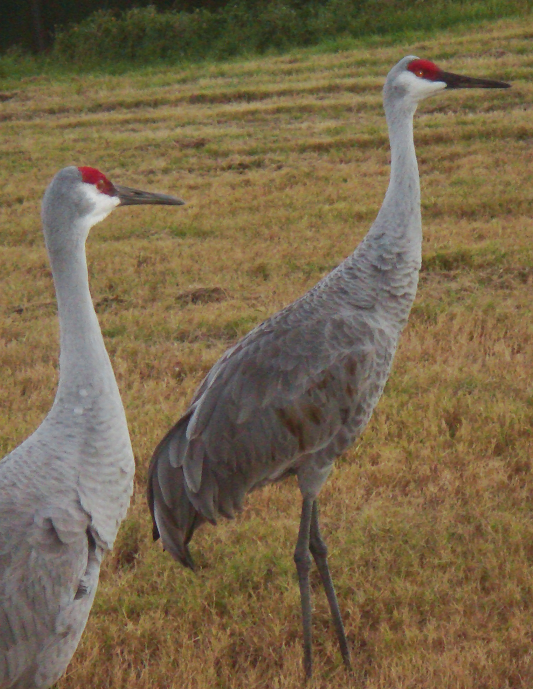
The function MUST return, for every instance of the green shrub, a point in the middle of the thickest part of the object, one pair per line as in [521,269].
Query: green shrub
[138,35]
[143,35]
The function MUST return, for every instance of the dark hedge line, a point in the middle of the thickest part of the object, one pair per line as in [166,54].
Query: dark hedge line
[143,35]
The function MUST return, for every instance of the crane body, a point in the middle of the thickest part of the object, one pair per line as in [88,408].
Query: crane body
[65,490]
[299,389]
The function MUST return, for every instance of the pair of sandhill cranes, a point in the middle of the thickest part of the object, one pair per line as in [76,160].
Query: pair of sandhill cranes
[288,398]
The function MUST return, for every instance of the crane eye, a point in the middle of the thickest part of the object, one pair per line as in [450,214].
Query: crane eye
[100,185]
[419,72]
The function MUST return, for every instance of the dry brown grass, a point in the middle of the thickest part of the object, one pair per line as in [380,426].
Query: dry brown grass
[284,162]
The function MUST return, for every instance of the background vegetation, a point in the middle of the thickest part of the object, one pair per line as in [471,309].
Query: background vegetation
[193,30]
[32,23]
[248,26]
[284,162]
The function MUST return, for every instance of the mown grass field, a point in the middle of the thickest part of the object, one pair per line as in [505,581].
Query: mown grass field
[284,162]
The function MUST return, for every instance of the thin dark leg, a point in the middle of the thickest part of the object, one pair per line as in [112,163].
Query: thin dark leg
[302,558]
[319,551]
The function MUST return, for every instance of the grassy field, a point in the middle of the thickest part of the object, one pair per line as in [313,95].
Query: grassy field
[284,162]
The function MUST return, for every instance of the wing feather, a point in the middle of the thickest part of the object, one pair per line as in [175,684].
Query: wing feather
[282,393]
[43,557]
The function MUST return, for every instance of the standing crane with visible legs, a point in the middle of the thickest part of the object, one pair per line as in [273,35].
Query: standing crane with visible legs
[65,490]
[299,389]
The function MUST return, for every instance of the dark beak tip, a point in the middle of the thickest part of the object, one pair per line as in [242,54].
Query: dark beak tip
[153,202]
[459,81]
[135,197]
[500,85]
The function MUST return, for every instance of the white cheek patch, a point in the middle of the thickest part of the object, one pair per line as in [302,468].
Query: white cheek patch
[102,204]
[418,87]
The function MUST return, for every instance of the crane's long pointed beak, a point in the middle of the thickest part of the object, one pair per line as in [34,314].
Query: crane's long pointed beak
[457,81]
[135,197]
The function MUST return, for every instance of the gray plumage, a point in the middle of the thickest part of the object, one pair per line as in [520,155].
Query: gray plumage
[299,389]
[65,490]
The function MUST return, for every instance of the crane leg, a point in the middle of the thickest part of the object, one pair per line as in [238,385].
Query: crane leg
[319,551]
[302,559]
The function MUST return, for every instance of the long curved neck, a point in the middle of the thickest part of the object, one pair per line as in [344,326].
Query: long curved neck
[83,359]
[399,220]
[87,425]
[383,270]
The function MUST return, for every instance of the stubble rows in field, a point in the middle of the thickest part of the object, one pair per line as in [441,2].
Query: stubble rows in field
[284,162]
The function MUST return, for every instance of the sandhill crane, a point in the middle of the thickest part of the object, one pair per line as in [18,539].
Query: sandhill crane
[297,391]
[65,490]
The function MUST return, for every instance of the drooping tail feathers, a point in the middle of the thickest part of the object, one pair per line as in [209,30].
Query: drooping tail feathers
[174,517]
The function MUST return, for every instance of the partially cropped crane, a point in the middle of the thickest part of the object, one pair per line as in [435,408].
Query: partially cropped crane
[65,490]
[297,391]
